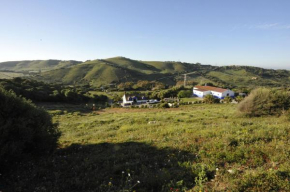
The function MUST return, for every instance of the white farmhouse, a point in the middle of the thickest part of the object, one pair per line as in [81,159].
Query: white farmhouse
[130,100]
[198,92]
[201,91]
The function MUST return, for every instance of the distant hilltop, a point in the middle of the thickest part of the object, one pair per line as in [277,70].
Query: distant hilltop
[118,70]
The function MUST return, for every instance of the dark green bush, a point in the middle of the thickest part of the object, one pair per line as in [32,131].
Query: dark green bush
[24,129]
[42,92]
[227,99]
[210,99]
[263,101]
[184,93]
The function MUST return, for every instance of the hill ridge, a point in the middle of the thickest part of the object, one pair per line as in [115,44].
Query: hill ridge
[121,69]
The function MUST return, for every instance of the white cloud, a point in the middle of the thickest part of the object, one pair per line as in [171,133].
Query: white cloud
[266,26]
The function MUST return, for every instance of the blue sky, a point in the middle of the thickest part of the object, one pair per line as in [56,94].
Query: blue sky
[217,32]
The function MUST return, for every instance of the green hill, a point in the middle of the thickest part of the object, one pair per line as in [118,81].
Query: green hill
[36,65]
[120,69]
[245,76]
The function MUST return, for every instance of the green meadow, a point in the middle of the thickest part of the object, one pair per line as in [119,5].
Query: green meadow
[10,75]
[195,147]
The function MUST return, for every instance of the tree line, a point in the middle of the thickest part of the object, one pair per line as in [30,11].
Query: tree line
[42,92]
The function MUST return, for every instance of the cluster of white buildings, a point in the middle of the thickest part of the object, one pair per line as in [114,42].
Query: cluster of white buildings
[198,91]
[201,91]
[129,100]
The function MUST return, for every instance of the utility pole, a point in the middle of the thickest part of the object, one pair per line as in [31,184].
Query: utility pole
[185,79]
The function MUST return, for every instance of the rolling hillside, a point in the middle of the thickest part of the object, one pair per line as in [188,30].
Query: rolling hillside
[245,76]
[120,69]
[35,65]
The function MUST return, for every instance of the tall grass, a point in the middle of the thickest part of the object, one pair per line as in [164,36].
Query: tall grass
[192,148]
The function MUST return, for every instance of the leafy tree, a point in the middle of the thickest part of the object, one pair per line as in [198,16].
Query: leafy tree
[166,93]
[210,99]
[126,86]
[146,85]
[158,85]
[25,129]
[38,91]
[117,98]
[184,93]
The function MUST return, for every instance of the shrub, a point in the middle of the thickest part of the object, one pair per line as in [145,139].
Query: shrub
[164,105]
[264,101]
[25,129]
[184,93]
[210,99]
[239,98]
[227,99]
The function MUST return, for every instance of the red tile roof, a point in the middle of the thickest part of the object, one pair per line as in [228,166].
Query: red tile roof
[210,88]
[201,90]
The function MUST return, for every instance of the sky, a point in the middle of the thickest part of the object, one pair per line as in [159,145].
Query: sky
[216,32]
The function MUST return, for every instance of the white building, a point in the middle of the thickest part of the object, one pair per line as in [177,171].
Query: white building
[201,91]
[126,101]
[130,100]
[198,92]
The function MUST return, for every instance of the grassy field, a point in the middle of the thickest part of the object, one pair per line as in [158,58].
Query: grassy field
[192,148]
[110,95]
[190,99]
[113,94]
[10,75]
[35,65]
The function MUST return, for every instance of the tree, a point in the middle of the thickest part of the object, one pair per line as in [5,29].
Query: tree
[126,86]
[25,129]
[158,85]
[210,99]
[184,93]
[145,85]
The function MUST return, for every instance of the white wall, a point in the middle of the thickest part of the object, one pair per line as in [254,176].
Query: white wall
[216,94]
[228,93]
[201,93]
[198,93]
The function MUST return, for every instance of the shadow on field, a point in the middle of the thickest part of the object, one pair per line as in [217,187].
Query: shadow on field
[104,167]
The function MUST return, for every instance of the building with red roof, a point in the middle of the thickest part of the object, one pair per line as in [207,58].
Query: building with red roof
[201,91]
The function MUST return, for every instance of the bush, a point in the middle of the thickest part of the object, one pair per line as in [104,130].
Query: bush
[42,92]
[264,101]
[239,98]
[164,105]
[211,99]
[25,129]
[227,99]
[184,93]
